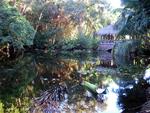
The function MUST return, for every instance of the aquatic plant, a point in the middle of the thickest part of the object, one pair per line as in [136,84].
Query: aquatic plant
[50,100]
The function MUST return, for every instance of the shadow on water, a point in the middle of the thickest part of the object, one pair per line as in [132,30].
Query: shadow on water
[132,98]
[45,83]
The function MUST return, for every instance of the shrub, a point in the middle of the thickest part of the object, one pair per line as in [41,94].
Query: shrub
[14,28]
[80,43]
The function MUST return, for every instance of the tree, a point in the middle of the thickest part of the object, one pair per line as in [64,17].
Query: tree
[56,21]
[15,30]
[134,19]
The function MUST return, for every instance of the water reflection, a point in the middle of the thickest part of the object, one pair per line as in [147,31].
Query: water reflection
[147,74]
[14,81]
[42,83]
[132,99]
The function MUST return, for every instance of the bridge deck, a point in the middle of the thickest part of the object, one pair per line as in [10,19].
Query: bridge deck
[106,45]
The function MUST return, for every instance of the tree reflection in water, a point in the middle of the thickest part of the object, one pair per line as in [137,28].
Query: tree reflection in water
[43,82]
[132,99]
[15,90]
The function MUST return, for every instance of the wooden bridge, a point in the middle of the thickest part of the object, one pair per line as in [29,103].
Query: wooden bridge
[106,59]
[106,45]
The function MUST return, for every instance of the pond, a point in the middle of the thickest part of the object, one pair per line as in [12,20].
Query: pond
[46,83]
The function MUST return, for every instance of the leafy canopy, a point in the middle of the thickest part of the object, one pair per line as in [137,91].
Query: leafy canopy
[14,28]
[134,19]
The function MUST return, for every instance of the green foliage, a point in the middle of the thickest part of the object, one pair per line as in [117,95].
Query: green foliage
[125,48]
[13,109]
[15,78]
[22,31]
[25,101]
[47,38]
[89,86]
[134,19]
[14,28]
[54,22]
[1,107]
[58,21]
[84,42]
[90,13]
[124,52]
[88,43]
[88,70]
[80,43]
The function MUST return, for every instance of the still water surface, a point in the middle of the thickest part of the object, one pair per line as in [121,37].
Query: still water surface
[45,83]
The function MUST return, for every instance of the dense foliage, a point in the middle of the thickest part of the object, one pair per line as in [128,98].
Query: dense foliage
[36,82]
[14,28]
[58,22]
[134,19]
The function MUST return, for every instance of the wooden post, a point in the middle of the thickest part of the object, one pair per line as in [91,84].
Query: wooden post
[101,37]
